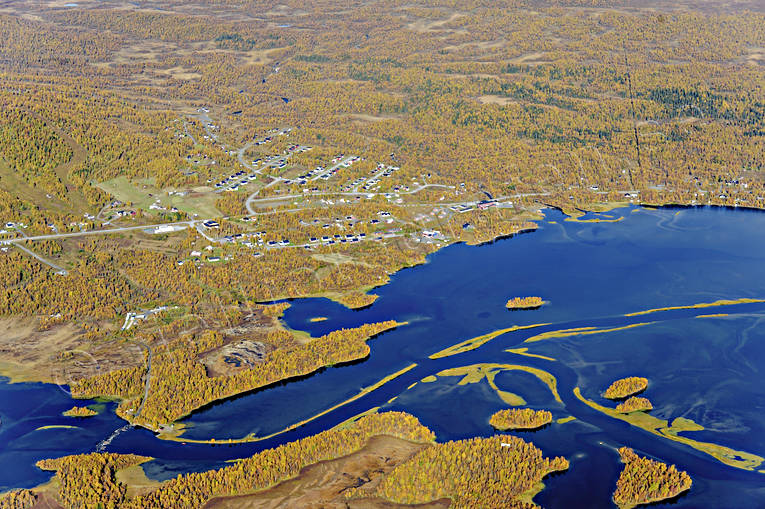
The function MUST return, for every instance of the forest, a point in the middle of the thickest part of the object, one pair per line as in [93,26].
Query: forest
[524,302]
[507,468]
[180,382]
[80,411]
[119,120]
[644,480]
[454,470]
[634,404]
[626,387]
[618,106]
[87,480]
[520,419]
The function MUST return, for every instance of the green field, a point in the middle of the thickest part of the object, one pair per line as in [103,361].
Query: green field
[142,194]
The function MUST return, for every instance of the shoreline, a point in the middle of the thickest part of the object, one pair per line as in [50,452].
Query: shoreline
[18,373]
[246,392]
[250,438]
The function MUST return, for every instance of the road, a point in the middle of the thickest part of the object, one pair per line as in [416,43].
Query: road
[207,121]
[333,168]
[21,232]
[59,270]
[147,376]
[252,199]
[274,179]
[240,156]
[376,175]
[204,234]
[186,130]
[196,223]
[54,236]
[101,447]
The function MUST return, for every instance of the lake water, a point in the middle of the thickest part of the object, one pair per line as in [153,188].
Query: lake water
[591,274]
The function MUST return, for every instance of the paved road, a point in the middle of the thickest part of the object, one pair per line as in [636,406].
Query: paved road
[253,197]
[204,234]
[274,179]
[196,223]
[21,232]
[59,270]
[186,130]
[333,168]
[240,156]
[206,120]
[54,236]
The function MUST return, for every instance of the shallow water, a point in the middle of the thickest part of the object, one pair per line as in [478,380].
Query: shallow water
[705,369]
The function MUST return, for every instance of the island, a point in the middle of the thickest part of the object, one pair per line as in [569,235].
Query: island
[412,460]
[175,175]
[451,471]
[80,411]
[645,481]
[626,387]
[634,404]
[525,303]
[520,418]
[672,431]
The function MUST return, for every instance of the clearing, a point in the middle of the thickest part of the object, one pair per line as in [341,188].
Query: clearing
[322,484]
[141,193]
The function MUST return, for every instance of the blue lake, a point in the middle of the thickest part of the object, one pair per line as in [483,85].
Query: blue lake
[591,274]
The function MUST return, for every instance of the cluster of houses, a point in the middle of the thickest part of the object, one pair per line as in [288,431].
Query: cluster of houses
[257,239]
[320,172]
[372,182]
[233,181]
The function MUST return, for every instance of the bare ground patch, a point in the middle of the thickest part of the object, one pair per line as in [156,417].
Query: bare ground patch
[484,45]
[60,354]
[530,58]
[323,484]
[361,117]
[424,26]
[180,73]
[495,99]
[262,56]
[756,56]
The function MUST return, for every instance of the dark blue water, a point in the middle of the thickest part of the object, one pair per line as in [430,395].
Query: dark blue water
[706,369]
[24,408]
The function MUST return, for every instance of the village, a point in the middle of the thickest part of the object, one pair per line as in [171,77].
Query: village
[137,207]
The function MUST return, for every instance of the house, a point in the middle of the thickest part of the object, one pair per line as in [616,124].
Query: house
[165,228]
[485,204]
